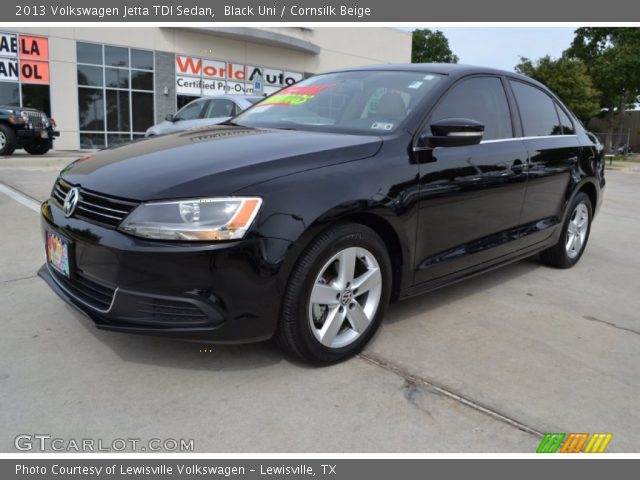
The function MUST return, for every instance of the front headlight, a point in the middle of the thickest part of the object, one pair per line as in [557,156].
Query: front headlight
[198,219]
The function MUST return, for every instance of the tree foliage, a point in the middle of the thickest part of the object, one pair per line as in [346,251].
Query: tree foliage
[612,58]
[568,78]
[431,46]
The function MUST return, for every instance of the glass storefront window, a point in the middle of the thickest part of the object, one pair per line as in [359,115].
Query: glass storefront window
[142,110]
[116,56]
[141,59]
[116,78]
[90,76]
[141,80]
[115,94]
[91,108]
[91,141]
[118,110]
[89,53]
[36,96]
[9,94]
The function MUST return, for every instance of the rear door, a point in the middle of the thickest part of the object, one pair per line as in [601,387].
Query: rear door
[553,151]
[470,196]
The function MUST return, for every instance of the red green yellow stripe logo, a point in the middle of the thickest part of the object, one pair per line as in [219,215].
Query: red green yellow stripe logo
[574,443]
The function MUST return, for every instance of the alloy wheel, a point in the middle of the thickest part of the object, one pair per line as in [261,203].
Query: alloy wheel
[577,230]
[345,297]
[3,140]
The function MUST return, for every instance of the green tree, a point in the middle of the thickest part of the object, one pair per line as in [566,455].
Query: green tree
[612,58]
[568,78]
[431,46]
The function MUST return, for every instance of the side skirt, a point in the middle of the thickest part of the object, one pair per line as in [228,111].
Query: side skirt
[476,269]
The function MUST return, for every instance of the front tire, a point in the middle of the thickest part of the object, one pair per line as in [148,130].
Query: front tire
[336,296]
[37,148]
[8,140]
[574,236]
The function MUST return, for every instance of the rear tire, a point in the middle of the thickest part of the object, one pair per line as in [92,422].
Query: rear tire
[37,148]
[8,140]
[574,235]
[336,296]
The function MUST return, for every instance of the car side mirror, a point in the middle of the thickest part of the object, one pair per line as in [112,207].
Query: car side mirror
[451,132]
[170,118]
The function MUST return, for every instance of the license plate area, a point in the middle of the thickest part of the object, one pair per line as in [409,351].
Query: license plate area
[59,253]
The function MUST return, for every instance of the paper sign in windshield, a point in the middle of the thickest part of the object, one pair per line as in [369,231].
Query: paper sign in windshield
[295,95]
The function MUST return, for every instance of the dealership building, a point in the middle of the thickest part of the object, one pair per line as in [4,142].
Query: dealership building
[105,86]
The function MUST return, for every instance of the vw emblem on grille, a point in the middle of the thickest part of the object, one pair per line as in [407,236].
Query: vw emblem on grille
[71,201]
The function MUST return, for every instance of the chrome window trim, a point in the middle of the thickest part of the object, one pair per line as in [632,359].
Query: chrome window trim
[526,138]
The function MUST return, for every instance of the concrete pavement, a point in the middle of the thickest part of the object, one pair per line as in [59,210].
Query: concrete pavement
[482,366]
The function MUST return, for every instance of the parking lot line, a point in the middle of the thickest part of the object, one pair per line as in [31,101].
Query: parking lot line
[20,197]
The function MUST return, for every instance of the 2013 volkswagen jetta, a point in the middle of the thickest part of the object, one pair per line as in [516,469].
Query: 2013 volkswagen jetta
[304,216]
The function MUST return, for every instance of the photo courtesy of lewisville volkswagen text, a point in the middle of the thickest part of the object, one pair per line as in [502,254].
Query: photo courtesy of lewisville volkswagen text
[318,249]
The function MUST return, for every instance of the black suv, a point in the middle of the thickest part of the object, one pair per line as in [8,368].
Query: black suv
[26,128]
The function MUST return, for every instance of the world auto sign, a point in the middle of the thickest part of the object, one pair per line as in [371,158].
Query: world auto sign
[205,77]
[24,58]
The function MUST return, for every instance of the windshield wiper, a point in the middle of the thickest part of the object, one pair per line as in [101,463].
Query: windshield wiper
[231,123]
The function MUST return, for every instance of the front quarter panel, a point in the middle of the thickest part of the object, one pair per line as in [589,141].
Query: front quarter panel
[383,188]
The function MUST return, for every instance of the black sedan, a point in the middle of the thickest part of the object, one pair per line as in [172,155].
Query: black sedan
[304,216]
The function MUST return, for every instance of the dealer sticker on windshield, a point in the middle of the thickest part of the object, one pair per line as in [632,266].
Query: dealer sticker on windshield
[382,126]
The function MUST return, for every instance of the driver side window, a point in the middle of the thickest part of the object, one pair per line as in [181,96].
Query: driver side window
[191,111]
[482,99]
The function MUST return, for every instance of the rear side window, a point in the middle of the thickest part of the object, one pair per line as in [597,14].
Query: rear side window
[220,107]
[537,111]
[565,121]
[482,99]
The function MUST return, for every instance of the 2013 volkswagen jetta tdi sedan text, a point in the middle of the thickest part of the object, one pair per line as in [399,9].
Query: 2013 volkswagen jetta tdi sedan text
[304,216]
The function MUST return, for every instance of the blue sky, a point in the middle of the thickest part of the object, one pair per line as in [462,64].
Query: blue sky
[501,47]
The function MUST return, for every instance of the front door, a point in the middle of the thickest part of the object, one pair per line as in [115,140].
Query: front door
[470,196]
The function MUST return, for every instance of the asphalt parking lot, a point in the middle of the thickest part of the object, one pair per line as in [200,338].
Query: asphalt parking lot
[487,365]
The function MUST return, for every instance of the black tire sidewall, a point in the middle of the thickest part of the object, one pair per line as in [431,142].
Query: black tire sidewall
[337,240]
[37,149]
[11,140]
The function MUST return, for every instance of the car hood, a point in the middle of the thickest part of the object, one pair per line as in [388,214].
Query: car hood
[212,161]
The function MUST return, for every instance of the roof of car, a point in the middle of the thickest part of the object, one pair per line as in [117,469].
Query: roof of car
[452,69]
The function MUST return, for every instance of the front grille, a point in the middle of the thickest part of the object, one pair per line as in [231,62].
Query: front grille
[89,292]
[37,119]
[172,312]
[95,207]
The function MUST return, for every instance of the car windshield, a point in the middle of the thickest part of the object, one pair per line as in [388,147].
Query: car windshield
[369,102]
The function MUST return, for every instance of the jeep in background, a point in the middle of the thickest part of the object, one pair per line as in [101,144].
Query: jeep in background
[26,128]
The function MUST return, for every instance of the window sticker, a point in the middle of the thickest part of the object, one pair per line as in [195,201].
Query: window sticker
[382,126]
[295,95]
[415,85]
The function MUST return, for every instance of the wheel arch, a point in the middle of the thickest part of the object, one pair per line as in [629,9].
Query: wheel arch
[592,192]
[396,246]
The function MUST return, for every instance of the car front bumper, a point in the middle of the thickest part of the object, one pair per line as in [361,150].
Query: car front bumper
[34,135]
[223,292]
